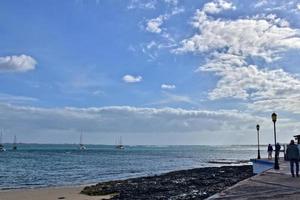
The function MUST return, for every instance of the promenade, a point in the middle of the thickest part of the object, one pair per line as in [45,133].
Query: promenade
[271,184]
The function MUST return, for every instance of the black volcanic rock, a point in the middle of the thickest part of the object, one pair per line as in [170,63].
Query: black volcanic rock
[197,183]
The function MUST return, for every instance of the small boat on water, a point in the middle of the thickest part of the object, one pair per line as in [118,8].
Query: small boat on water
[1,145]
[15,143]
[81,145]
[119,144]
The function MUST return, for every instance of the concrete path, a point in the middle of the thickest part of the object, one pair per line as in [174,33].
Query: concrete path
[271,184]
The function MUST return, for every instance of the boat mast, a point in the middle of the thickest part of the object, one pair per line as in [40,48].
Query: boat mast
[15,142]
[80,143]
[1,137]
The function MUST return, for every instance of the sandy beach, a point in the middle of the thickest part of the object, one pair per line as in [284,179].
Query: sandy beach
[68,193]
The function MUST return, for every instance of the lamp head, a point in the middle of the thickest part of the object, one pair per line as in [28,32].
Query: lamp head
[257,127]
[274,117]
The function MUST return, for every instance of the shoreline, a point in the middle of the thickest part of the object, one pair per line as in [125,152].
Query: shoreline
[218,163]
[199,182]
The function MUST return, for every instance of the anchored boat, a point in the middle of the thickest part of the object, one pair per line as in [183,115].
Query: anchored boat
[81,145]
[119,144]
[15,143]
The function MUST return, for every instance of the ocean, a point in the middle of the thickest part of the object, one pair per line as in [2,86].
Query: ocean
[44,165]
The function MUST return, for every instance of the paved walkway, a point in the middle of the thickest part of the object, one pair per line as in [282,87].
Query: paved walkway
[271,184]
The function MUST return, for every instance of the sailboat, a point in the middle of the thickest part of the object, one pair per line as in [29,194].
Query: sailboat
[15,143]
[1,145]
[81,146]
[119,144]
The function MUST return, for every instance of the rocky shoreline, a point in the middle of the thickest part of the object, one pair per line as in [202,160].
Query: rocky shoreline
[197,183]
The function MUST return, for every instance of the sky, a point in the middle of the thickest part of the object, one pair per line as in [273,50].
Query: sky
[155,72]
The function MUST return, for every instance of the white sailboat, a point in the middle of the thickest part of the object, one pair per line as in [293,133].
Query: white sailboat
[15,143]
[1,145]
[81,145]
[119,144]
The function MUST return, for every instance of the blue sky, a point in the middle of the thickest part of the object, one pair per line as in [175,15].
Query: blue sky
[157,72]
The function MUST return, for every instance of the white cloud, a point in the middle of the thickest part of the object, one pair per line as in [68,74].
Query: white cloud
[290,104]
[174,99]
[7,98]
[287,6]
[166,125]
[261,3]
[167,86]
[153,25]
[151,44]
[177,10]
[132,79]
[142,4]
[98,93]
[298,6]
[20,63]
[218,6]
[266,37]
[33,123]
[239,80]
[231,44]
[157,26]
[172,2]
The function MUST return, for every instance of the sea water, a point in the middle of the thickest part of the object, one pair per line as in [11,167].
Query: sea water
[36,165]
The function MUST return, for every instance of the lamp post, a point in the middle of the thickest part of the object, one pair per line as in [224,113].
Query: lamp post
[258,151]
[274,119]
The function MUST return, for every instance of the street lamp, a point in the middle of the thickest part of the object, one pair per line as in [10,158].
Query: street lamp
[274,119]
[258,151]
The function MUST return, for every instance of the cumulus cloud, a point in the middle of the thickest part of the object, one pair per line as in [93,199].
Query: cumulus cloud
[132,79]
[167,86]
[233,46]
[264,37]
[14,63]
[38,123]
[243,81]
[218,6]
[153,25]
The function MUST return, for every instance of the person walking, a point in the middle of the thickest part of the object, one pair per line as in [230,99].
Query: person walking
[270,151]
[292,152]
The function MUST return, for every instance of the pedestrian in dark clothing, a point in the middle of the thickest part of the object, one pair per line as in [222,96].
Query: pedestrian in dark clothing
[292,152]
[270,151]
